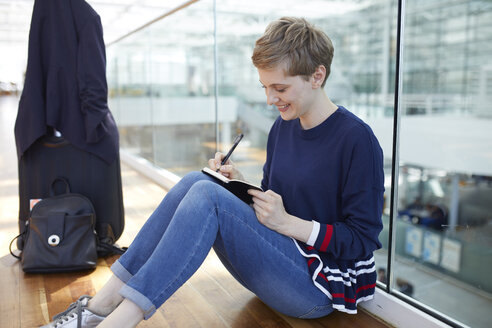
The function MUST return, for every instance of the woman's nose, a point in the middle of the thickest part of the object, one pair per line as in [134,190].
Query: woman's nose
[272,98]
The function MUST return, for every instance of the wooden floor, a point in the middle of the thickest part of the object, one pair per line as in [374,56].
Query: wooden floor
[211,298]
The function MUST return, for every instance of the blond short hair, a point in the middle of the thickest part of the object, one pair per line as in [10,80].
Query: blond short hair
[298,43]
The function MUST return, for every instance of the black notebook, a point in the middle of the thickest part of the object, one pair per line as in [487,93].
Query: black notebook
[237,187]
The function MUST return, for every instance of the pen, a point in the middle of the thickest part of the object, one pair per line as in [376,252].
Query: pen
[236,142]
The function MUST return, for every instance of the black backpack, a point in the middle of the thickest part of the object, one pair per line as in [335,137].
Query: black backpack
[60,234]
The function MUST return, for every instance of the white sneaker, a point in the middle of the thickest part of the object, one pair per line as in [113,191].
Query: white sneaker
[76,316]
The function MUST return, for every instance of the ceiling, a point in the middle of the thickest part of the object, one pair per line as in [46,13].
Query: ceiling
[122,16]
[118,17]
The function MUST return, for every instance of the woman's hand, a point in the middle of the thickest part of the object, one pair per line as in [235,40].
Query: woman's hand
[229,169]
[270,211]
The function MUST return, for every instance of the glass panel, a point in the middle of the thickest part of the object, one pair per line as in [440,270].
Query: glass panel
[162,90]
[128,98]
[182,82]
[361,80]
[444,226]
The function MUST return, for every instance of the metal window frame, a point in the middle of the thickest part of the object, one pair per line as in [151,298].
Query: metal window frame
[395,173]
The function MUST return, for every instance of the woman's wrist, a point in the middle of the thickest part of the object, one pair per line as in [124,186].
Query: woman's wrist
[299,229]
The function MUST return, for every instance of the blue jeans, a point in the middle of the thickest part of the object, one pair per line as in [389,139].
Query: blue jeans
[196,215]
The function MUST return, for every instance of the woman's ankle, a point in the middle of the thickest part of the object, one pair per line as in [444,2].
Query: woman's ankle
[126,315]
[107,299]
[102,309]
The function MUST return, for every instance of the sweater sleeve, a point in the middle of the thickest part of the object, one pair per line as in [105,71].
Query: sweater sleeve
[355,233]
[314,233]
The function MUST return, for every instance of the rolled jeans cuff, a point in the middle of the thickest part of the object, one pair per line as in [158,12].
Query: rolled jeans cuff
[119,271]
[140,300]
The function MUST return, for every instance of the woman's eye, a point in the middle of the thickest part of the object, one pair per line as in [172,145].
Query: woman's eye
[277,90]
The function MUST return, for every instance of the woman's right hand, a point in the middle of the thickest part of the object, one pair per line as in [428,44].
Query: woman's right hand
[229,169]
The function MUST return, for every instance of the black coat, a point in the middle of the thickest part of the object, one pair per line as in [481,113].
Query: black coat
[65,85]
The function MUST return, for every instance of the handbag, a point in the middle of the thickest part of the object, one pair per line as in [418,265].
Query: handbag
[59,234]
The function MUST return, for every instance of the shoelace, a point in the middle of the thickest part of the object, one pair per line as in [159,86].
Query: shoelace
[69,313]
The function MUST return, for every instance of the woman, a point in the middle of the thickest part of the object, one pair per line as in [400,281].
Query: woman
[305,246]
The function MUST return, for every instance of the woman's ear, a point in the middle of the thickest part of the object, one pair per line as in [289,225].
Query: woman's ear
[318,76]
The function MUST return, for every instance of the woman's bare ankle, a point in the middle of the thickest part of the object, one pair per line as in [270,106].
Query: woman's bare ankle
[126,315]
[107,299]
[102,309]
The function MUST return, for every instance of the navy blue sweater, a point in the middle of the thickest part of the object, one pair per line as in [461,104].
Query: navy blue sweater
[332,174]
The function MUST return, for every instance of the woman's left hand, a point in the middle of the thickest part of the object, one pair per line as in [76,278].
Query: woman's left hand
[270,211]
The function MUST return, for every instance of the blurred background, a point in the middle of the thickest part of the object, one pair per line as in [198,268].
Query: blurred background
[181,86]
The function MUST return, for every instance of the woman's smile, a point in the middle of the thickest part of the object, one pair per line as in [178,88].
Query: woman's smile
[283,108]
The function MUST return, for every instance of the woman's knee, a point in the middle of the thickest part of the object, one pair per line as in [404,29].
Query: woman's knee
[189,180]
[192,177]
[204,188]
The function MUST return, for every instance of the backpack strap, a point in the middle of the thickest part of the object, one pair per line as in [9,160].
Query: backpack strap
[12,241]
[52,187]
[105,249]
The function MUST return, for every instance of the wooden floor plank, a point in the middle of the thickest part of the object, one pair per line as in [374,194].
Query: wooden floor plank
[199,307]
[230,309]
[264,315]
[9,282]
[156,321]
[33,303]
[177,314]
